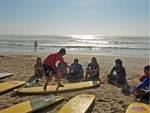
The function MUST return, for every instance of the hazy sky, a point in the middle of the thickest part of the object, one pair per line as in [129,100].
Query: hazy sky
[76,17]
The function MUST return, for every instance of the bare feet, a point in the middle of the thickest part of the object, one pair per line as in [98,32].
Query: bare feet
[60,85]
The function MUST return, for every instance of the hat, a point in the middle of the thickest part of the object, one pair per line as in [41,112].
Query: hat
[147,67]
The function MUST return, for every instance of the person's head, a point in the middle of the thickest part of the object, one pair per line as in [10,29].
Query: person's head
[62,51]
[76,61]
[147,69]
[118,62]
[38,61]
[93,60]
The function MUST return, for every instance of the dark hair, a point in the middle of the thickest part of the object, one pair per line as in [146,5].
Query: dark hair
[38,59]
[93,58]
[62,51]
[118,61]
[76,60]
[147,67]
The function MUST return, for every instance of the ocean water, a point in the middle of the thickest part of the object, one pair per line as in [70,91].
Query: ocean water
[78,44]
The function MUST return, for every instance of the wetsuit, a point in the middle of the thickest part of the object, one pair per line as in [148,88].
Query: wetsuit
[143,77]
[143,84]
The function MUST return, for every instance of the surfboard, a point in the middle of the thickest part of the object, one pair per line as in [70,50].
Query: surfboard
[10,85]
[138,108]
[55,88]
[79,104]
[33,104]
[3,75]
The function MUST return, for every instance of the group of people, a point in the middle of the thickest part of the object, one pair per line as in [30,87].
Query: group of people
[49,68]
[92,70]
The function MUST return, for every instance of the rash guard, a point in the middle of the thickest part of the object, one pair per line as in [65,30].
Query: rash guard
[52,59]
[143,84]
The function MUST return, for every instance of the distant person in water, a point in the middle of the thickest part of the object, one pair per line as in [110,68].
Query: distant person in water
[146,73]
[35,45]
[92,69]
[50,68]
[77,72]
[38,70]
[120,71]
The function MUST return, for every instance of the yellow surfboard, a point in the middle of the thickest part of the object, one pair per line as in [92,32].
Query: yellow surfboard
[33,105]
[3,75]
[10,85]
[55,88]
[79,104]
[138,108]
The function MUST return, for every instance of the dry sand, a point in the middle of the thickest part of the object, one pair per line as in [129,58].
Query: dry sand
[109,98]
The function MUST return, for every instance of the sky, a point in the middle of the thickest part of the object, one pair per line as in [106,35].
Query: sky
[74,17]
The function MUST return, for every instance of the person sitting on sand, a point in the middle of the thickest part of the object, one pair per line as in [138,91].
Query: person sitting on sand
[77,72]
[63,69]
[92,69]
[146,73]
[143,89]
[120,71]
[38,71]
[50,68]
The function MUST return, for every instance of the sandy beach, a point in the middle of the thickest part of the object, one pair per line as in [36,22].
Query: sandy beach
[109,98]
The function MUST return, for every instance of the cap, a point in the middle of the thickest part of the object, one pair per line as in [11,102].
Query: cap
[147,67]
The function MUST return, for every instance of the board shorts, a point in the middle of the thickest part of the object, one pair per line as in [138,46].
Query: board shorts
[48,69]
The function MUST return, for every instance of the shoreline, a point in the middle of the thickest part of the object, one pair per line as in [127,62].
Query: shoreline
[38,53]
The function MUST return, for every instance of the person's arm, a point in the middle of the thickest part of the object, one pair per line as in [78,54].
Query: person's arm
[113,69]
[55,69]
[144,83]
[81,69]
[124,72]
[36,72]
[142,78]
[65,64]
[88,67]
[70,68]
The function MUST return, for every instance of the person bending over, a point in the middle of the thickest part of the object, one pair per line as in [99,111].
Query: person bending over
[50,68]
